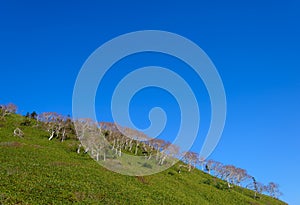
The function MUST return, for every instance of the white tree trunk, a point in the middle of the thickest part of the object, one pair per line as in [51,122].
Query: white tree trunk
[78,149]
[63,135]
[52,135]
[136,148]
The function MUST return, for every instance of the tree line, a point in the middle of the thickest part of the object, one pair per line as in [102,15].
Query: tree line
[105,139]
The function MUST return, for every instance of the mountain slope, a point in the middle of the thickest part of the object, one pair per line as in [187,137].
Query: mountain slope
[34,170]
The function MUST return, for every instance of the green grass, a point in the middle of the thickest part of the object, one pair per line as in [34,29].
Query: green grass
[34,170]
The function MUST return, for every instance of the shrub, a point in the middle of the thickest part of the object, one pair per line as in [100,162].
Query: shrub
[147,165]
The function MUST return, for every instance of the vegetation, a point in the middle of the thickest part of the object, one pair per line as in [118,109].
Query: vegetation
[36,170]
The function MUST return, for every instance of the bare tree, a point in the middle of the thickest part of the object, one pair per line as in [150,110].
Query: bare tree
[53,122]
[7,109]
[257,187]
[228,174]
[173,151]
[216,167]
[273,189]
[18,132]
[239,176]
[201,162]
[83,128]
[123,138]
[67,128]
[11,108]
[208,166]
[261,187]
[191,159]
[158,144]
[165,152]
[56,124]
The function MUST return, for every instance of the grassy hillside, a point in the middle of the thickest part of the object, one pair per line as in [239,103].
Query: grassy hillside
[34,170]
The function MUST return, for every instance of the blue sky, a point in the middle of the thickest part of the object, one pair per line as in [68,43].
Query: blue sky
[253,44]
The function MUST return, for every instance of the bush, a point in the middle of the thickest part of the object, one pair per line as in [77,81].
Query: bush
[171,172]
[147,165]
[26,122]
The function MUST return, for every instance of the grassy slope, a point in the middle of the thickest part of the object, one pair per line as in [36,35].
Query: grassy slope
[34,170]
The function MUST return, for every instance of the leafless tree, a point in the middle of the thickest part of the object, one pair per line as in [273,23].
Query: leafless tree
[261,187]
[68,128]
[216,167]
[256,186]
[209,164]
[7,109]
[53,122]
[12,108]
[229,174]
[173,151]
[92,138]
[201,162]
[273,189]
[191,159]
[18,132]
[239,176]
[56,124]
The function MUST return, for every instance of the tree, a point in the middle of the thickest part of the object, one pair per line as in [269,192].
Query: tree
[273,189]
[208,166]
[33,115]
[83,126]
[158,145]
[216,167]
[191,159]
[240,175]
[7,109]
[2,113]
[165,152]
[117,136]
[201,162]
[53,122]
[18,132]
[69,129]
[92,137]
[261,187]
[172,151]
[27,115]
[257,187]
[11,108]
[229,173]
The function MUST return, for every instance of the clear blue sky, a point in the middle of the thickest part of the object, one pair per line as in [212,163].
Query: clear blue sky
[255,46]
